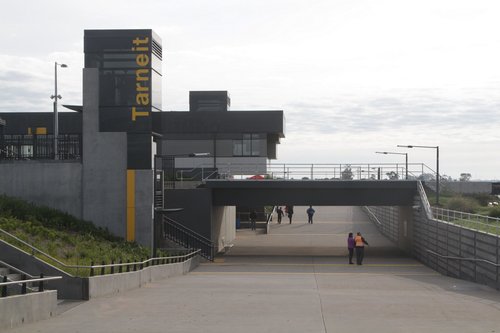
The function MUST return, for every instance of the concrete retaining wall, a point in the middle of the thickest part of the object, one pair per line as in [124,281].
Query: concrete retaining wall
[120,282]
[446,239]
[29,308]
[56,184]
[450,240]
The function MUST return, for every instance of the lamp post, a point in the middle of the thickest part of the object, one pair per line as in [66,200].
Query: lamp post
[437,166]
[392,153]
[55,97]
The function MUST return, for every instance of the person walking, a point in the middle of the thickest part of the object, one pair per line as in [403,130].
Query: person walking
[289,210]
[350,247]
[279,211]
[253,218]
[310,213]
[360,243]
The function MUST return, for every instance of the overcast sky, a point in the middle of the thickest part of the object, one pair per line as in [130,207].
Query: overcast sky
[352,76]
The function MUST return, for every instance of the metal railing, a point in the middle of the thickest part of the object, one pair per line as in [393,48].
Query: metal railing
[188,238]
[425,200]
[269,218]
[92,268]
[480,223]
[40,147]
[24,282]
[326,171]
[465,259]
[372,215]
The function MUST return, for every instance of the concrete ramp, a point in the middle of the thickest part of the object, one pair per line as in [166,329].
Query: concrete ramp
[327,236]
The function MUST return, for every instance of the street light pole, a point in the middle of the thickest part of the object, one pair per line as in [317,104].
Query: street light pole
[56,117]
[437,165]
[392,153]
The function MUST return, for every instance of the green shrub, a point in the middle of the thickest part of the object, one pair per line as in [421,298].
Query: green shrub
[494,212]
[462,204]
[482,198]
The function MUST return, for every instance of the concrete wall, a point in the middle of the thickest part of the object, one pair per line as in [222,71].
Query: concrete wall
[55,184]
[104,164]
[29,308]
[224,226]
[120,282]
[420,233]
[450,240]
[197,209]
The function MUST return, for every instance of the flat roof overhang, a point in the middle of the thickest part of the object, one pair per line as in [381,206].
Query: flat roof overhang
[317,192]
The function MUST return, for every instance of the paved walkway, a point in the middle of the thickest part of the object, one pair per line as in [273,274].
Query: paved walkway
[307,293]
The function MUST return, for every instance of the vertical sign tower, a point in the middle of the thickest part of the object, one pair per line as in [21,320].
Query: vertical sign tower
[128,76]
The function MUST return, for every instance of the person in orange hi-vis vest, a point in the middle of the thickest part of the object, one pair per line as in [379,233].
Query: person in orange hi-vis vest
[360,243]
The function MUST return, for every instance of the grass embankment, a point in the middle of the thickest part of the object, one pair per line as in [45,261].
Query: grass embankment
[64,237]
[472,204]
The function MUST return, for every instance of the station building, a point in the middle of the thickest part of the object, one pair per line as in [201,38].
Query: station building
[119,156]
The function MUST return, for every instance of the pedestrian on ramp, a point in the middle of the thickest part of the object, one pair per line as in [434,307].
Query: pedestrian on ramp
[350,247]
[360,243]
[310,213]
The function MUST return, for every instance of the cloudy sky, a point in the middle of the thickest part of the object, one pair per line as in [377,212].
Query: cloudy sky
[353,76]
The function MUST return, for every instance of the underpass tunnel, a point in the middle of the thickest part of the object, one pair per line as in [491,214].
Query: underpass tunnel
[326,236]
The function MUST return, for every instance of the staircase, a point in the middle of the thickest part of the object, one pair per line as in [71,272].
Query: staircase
[183,236]
[9,273]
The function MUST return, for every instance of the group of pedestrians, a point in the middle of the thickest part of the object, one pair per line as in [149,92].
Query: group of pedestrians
[356,243]
[288,211]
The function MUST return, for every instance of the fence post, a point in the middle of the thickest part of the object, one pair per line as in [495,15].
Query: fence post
[92,268]
[112,267]
[40,285]
[23,286]
[4,288]
[103,269]
[120,268]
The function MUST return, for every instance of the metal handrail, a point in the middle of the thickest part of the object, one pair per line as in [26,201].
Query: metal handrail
[373,215]
[12,268]
[425,200]
[48,278]
[268,222]
[34,249]
[460,258]
[189,238]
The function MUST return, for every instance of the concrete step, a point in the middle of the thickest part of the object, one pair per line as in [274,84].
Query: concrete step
[14,277]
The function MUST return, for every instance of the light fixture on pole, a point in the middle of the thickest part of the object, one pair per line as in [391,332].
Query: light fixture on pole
[393,153]
[437,165]
[55,97]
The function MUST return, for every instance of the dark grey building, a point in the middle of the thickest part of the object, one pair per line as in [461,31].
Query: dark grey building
[105,170]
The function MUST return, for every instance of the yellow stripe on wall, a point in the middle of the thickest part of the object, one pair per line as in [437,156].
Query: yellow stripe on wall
[130,205]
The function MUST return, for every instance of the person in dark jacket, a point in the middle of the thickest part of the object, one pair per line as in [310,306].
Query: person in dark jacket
[279,211]
[310,213]
[350,247]
[253,218]
[289,210]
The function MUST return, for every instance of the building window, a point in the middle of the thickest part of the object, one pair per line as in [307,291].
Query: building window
[249,145]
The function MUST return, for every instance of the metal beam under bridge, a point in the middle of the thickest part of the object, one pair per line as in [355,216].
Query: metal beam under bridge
[316,192]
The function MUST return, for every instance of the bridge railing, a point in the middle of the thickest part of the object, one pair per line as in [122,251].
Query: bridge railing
[323,171]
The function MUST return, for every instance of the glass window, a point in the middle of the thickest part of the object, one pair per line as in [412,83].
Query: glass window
[249,145]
